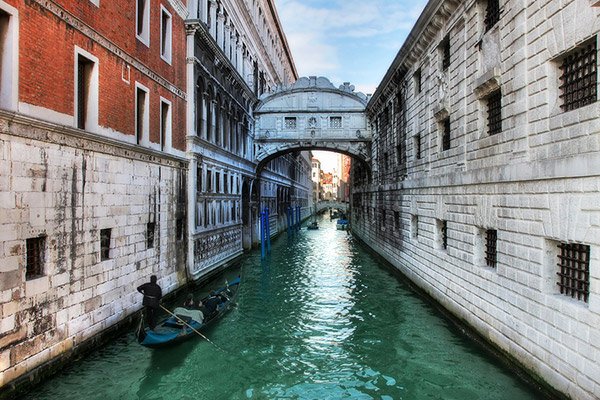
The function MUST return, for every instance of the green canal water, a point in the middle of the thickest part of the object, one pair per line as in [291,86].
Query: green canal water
[320,319]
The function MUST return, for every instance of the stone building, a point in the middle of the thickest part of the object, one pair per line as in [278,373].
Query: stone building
[236,52]
[126,150]
[484,187]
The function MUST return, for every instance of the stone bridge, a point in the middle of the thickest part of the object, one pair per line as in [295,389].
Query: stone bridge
[312,114]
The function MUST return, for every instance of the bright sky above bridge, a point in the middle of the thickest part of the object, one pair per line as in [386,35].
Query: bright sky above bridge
[347,40]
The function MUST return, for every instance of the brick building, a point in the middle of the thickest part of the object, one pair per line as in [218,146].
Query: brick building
[93,168]
[485,177]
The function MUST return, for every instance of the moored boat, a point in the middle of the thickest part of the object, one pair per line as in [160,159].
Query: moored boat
[342,224]
[184,323]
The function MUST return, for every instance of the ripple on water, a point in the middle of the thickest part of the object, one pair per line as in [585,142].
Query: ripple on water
[320,319]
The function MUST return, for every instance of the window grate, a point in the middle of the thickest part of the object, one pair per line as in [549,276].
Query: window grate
[335,122]
[574,270]
[494,105]
[492,14]
[579,77]
[491,254]
[418,81]
[35,257]
[418,146]
[290,123]
[446,136]
[105,244]
[444,230]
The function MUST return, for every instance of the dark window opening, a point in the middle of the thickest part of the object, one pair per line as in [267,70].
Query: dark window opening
[491,255]
[141,6]
[150,227]
[164,26]
[105,244]
[84,74]
[418,81]
[445,48]
[574,270]
[397,220]
[164,124]
[217,182]
[494,113]
[446,135]
[492,14]
[579,77]
[140,117]
[209,183]
[418,146]
[35,257]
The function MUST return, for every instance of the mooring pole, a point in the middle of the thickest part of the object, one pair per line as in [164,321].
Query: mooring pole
[288,213]
[268,226]
[298,216]
[262,235]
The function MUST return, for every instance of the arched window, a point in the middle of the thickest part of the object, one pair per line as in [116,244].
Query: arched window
[218,120]
[200,108]
[210,119]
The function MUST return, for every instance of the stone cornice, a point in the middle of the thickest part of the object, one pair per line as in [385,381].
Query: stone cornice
[179,7]
[35,129]
[430,22]
[88,31]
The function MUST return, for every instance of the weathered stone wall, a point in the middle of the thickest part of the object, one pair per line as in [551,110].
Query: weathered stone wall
[65,185]
[536,181]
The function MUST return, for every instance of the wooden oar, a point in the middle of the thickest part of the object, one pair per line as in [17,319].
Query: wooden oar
[191,327]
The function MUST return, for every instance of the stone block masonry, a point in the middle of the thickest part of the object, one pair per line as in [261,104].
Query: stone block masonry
[66,187]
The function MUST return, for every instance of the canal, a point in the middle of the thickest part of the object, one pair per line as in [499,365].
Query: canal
[320,319]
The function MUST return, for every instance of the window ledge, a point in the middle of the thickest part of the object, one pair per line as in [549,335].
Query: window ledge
[487,83]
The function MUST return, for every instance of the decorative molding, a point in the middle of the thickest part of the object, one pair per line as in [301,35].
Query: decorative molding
[30,128]
[88,31]
[487,83]
[179,8]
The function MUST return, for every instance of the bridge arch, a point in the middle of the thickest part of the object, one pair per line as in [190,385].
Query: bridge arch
[312,114]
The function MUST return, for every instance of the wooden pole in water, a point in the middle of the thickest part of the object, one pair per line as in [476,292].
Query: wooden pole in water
[191,327]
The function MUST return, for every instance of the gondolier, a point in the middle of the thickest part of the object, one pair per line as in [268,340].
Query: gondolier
[152,295]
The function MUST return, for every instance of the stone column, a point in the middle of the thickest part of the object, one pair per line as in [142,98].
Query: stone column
[238,57]
[221,29]
[212,13]
[227,39]
[191,81]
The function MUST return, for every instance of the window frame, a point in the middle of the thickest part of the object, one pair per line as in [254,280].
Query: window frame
[9,73]
[144,35]
[35,253]
[166,53]
[92,109]
[142,138]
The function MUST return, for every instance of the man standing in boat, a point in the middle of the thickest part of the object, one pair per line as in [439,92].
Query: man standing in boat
[152,295]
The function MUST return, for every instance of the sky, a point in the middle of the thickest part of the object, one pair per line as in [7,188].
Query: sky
[347,40]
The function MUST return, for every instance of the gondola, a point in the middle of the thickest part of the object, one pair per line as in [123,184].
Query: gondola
[183,323]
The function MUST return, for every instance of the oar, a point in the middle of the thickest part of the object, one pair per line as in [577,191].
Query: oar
[192,328]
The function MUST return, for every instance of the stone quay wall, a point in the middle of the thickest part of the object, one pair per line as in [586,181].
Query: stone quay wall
[64,186]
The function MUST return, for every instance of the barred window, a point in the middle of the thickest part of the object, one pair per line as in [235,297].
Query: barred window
[150,228]
[35,257]
[491,255]
[446,134]
[415,226]
[397,220]
[579,77]
[574,270]
[444,234]
[290,122]
[179,229]
[445,53]
[105,244]
[492,14]
[335,122]
[494,112]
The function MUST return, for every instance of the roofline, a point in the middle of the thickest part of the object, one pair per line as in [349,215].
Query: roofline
[422,22]
[282,36]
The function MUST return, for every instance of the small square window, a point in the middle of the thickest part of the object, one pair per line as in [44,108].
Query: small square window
[150,229]
[574,270]
[446,134]
[290,122]
[335,122]
[494,112]
[579,77]
[491,255]
[105,244]
[36,248]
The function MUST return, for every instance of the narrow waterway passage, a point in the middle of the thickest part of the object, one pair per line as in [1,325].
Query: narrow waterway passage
[321,319]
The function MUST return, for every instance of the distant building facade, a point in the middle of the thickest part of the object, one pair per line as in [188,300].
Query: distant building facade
[485,176]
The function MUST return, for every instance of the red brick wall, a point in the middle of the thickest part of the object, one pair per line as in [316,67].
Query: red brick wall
[46,62]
